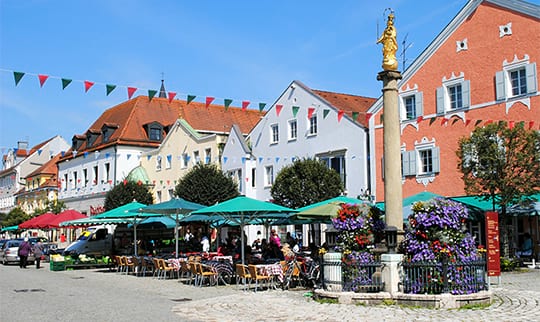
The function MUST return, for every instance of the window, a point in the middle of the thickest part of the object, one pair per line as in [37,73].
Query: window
[422,161]
[107,172]
[453,95]
[91,137]
[65,181]
[411,105]
[293,130]
[95,173]
[185,160]
[517,78]
[313,125]
[171,193]
[196,157]
[236,175]
[154,134]
[158,195]
[207,155]
[274,133]
[253,171]
[336,161]
[85,177]
[426,161]
[75,178]
[268,175]
[168,161]
[158,163]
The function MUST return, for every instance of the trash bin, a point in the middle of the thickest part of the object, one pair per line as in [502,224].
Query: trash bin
[332,272]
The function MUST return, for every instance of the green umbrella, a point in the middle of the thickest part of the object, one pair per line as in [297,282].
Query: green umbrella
[10,228]
[244,211]
[175,206]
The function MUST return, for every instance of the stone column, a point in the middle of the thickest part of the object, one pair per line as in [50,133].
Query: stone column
[393,195]
[390,272]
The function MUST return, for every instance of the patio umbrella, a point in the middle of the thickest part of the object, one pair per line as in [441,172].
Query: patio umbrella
[36,221]
[244,211]
[65,215]
[176,207]
[409,201]
[158,222]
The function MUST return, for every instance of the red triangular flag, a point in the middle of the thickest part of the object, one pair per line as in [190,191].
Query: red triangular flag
[278,109]
[467,122]
[511,124]
[209,101]
[131,90]
[340,115]
[88,85]
[310,112]
[42,79]
[368,117]
[531,124]
[419,119]
[171,96]
[444,120]
[488,122]
[244,105]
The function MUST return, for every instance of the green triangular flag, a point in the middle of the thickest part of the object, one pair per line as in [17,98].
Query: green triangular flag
[355,116]
[433,119]
[477,122]
[295,110]
[18,76]
[190,98]
[65,82]
[325,113]
[228,102]
[151,93]
[110,88]
[261,106]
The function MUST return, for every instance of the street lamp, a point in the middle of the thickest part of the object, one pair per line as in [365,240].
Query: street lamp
[391,239]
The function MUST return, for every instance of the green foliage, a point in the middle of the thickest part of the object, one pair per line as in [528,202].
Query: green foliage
[15,217]
[207,185]
[126,192]
[305,182]
[508,264]
[54,206]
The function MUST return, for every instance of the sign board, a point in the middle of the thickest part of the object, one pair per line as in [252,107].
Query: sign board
[493,244]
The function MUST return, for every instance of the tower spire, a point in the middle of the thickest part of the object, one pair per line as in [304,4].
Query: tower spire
[162,91]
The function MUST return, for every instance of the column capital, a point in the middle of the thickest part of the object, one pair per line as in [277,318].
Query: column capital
[386,75]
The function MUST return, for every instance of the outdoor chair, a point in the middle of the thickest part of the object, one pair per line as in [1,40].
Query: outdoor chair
[157,269]
[194,274]
[136,265]
[242,275]
[255,277]
[128,264]
[206,272]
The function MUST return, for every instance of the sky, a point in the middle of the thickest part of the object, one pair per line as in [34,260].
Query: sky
[240,50]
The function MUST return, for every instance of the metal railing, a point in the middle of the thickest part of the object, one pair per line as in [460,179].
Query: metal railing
[352,276]
[437,277]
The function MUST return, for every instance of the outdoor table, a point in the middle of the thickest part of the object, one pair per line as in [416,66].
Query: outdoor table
[223,258]
[274,270]
[224,269]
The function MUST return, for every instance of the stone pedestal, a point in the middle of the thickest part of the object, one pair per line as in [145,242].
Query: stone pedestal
[390,272]
[332,272]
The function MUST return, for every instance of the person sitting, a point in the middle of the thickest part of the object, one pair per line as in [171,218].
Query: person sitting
[526,248]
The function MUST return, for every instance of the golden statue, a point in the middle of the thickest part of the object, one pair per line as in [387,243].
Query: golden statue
[388,39]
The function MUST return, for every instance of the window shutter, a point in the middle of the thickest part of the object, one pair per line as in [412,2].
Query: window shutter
[499,86]
[412,162]
[440,100]
[382,167]
[436,158]
[405,164]
[466,93]
[530,72]
[419,98]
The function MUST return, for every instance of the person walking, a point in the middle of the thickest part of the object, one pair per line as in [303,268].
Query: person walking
[24,250]
[38,252]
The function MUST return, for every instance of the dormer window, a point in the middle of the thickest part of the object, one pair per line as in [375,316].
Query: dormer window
[107,130]
[77,141]
[154,131]
[91,137]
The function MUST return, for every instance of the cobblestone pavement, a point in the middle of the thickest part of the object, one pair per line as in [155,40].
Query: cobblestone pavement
[516,299]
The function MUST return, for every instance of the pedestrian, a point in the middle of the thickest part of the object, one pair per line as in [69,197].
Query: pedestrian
[205,244]
[62,238]
[38,252]
[24,250]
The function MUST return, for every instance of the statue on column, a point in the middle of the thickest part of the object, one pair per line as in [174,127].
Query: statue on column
[389,41]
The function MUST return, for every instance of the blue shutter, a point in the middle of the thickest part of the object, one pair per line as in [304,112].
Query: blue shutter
[440,100]
[419,98]
[500,89]
[412,163]
[466,93]
[530,72]
[436,159]
[405,164]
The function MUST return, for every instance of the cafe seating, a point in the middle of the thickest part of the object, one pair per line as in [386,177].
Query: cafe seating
[206,272]
[165,268]
[242,275]
[256,277]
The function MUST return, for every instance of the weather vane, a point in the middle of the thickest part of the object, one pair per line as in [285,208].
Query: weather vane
[389,42]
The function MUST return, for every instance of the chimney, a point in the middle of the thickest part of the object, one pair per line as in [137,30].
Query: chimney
[22,145]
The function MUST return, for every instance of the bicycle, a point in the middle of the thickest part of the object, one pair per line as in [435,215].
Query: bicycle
[305,273]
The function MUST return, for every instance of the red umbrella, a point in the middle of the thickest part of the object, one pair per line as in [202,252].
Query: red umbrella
[37,221]
[66,215]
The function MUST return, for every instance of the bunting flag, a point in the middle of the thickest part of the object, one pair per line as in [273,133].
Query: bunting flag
[88,85]
[432,120]
[245,104]
[225,159]
[227,102]
[340,115]
[477,123]
[355,116]
[455,120]
[18,76]
[419,119]
[65,82]
[488,122]
[295,110]
[131,91]
[151,94]
[171,96]
[278,109]
[444,121]
[325,113]
[42,79]
[531,124]
[467,122]
[261,106]
[368,117]
[190,98]
[310,112]
[209,101]
[110,88]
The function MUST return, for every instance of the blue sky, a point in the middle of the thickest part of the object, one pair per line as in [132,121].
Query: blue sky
[242,50]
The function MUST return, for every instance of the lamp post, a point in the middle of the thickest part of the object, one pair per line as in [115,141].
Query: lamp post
[391,239]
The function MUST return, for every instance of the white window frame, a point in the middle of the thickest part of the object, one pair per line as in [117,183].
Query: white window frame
[185,161]
[168,161]
[274,133]
[418,108]
[292,130]
[207,155]
[444,100]
[268,176]
[158,163]
[411,161]
[196,157]
[313,125]
[503,79]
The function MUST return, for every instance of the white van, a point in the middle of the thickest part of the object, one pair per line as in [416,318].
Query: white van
[96,241]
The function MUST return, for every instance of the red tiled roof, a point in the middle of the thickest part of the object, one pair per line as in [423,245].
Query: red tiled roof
[349,103]
[48,168]
[132,116]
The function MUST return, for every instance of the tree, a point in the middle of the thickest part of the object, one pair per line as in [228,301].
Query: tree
[501,164]
[54,206]
[127,192]
[207,185]
[15,217]
[305,182]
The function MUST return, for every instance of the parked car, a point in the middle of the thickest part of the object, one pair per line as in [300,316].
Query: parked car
[8,252]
